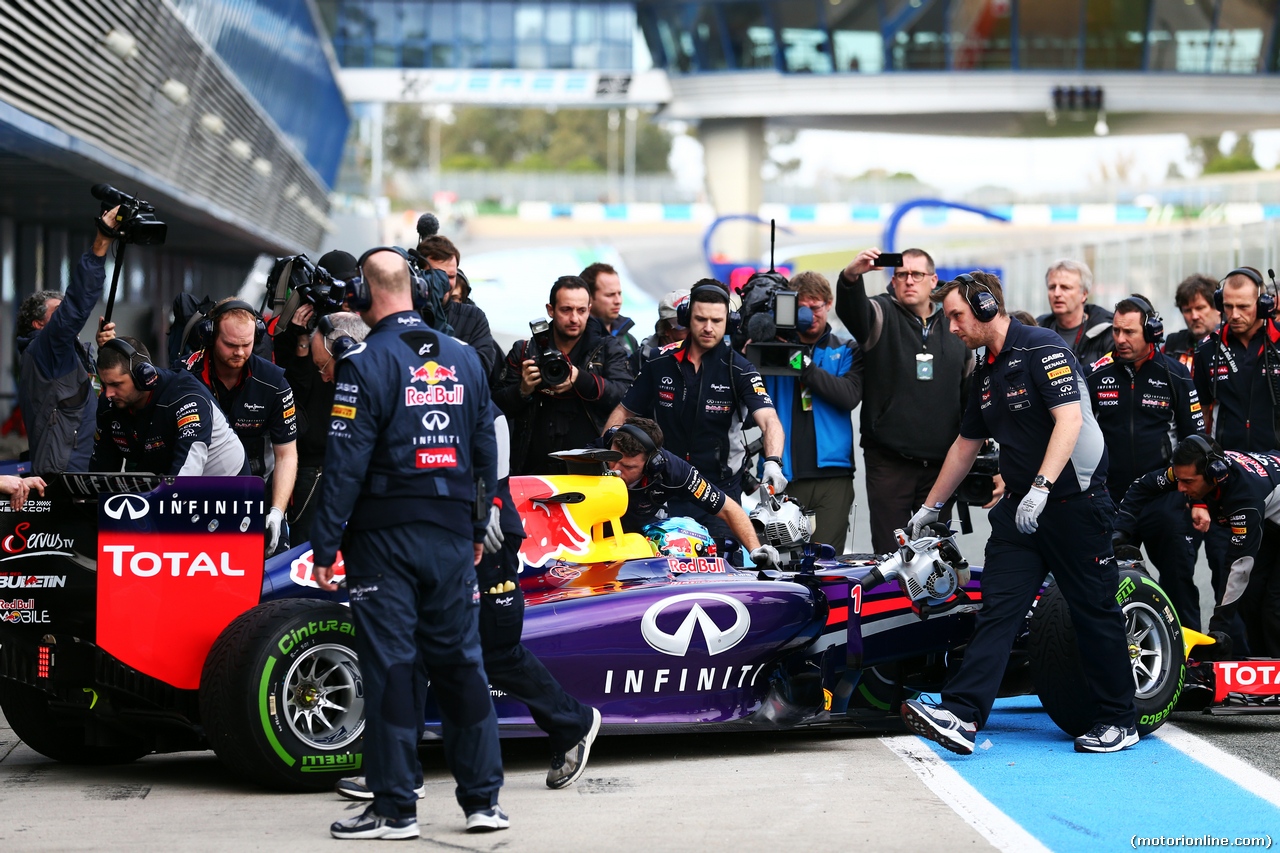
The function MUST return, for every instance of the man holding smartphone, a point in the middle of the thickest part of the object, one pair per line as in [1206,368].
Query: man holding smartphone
[913,392]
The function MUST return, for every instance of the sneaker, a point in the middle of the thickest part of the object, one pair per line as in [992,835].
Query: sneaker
[568,766]
[487,820]
[1104,738]
[371,825]
[356,788]
[939,725]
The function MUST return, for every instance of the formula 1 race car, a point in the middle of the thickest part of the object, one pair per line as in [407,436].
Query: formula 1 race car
[142,618]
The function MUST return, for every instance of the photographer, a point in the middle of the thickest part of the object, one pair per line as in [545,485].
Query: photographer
[590,366]
[55,391]
[815,408]
[467,320]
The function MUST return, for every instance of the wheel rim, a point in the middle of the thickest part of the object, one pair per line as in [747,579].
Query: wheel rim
[324,697]
[1150,649]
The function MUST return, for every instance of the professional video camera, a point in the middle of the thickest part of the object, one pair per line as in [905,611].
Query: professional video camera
[769,311]
[135,221]
[552,364]
[979,485]
[295,280]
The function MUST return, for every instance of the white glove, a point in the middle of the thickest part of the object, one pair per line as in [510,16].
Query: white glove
[1029,510]
[773,477]
[493,531]
[766,557]
[924,516]
[275,519]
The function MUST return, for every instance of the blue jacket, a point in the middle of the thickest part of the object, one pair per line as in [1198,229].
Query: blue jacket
[834,380]
[409,436]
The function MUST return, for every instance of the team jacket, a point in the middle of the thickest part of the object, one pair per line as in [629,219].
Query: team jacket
[410,435]
[670,477]
[1230,377]
[1243,502]
[258,408]
[1014,393]
[1093,337]
[179,431]
[1181,346]
[701,412]
[1143,414]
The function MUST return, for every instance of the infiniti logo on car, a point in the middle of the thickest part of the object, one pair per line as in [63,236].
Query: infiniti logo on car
[117,505]
[717,639]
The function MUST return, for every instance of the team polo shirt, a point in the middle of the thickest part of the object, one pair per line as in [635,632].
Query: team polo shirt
[260,408]
[1012,399]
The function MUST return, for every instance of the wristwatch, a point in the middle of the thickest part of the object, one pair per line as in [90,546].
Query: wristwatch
[1042,482]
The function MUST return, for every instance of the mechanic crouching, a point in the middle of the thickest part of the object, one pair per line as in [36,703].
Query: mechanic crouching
[1029,395]
[159,421]
[410,461]
[256,399]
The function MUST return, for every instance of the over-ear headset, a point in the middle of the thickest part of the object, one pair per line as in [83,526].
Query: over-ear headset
[358,297]
[980,298]
[684,311]
[1152,324]
[144,373]
[340,345]
[652,459]
[1215,464]
[1266,301]
[209,325]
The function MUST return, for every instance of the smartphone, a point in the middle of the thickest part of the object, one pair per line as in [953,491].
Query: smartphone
[889,259]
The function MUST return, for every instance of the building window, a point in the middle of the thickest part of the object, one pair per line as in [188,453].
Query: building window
[1114,34]
[855,35]
[805,47]
[1049,34]
[750,35]
[981,35]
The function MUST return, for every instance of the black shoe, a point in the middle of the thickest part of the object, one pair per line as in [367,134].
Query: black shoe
[568,766]
[1105,738]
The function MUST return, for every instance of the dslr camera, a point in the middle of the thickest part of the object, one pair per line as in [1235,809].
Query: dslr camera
[313,285]
[552,364]
[135,221]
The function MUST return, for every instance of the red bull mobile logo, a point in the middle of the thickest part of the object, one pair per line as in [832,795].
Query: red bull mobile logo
[433,373]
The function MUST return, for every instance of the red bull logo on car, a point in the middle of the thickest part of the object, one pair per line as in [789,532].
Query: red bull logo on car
[549,526]
[433,373]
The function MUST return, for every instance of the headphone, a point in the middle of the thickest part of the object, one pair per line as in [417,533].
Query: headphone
[205,328]
[340,345]
[144,373]
[980,298]
[1152,324]
[1266,301]
[684,311]
[1215,464]
[653,459]
[358,297]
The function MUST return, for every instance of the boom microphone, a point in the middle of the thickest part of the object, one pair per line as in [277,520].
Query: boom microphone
[428,226]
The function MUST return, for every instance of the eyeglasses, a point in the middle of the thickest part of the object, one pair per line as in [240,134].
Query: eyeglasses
[917,277]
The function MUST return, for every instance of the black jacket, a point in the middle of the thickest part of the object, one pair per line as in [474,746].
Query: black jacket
[472,326]
[312,396]
[1241,384]
[1093,338]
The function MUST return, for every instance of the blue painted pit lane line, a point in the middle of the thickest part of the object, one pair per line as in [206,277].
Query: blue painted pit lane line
[1031,788]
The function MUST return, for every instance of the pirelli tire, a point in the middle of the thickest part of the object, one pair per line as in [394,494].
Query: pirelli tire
[281,697]
[1155,654]
[61,737]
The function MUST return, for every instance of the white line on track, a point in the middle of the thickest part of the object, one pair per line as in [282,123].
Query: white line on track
[1237,770]
[976,810]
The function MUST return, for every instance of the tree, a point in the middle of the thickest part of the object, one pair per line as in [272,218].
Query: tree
[1206,151]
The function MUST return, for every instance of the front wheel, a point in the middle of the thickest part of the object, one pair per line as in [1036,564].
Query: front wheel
[281,696]
[1155,656]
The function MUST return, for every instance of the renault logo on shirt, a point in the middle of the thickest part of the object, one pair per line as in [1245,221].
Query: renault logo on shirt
[717,639]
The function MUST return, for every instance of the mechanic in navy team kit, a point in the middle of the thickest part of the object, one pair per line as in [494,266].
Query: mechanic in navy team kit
[700,393]
[159,421]
[1242,494]
[411,464]
[256,398]
[1055,516]
[654,474]
[1145,402]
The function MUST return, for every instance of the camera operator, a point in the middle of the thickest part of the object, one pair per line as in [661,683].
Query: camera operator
[667,330]
[606,306]
[159,421]
[1145,403]
[1194,298]
[654,474]
[815,409]
[295,349]
[467,320]
[916,372]
[1085,327]
[701,394]
[55,388]
[586,375]
[256,399]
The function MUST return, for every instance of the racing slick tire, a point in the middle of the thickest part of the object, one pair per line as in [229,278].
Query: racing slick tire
[281,696]
[1155,652]
[879,689]
[53,736]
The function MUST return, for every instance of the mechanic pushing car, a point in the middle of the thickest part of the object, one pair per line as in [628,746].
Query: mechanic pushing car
[1242,493]
[159,421]
[256,398]
[411,467]
[653,474]
[1029,395]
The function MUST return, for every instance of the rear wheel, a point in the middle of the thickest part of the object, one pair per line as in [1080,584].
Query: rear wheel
[281,696]
[60,737]
[1155,656]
